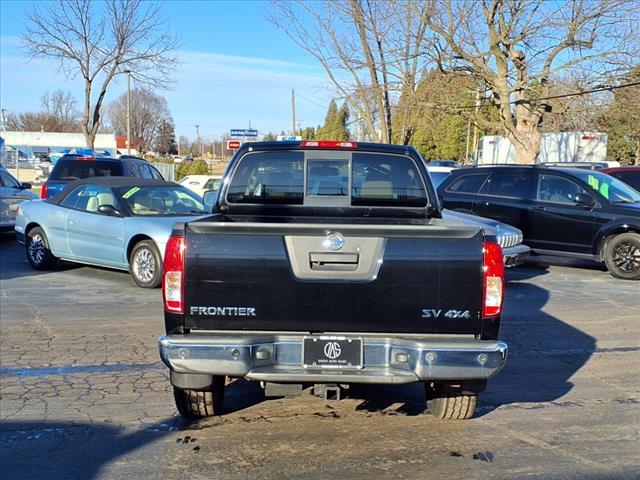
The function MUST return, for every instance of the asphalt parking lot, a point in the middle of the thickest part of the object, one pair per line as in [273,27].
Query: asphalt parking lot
[84,395]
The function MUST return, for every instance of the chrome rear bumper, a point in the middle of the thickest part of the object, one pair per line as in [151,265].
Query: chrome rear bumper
[387,359]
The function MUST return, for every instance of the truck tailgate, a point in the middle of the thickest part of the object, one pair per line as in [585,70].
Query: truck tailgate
[333,278]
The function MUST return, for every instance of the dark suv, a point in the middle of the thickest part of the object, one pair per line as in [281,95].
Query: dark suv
[75,167]
[561,211]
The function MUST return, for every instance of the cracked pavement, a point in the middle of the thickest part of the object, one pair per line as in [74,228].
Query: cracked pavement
[84,395]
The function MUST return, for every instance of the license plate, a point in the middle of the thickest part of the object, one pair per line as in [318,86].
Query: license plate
[332,352]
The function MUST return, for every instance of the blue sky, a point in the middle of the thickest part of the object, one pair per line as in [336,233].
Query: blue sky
[237,68]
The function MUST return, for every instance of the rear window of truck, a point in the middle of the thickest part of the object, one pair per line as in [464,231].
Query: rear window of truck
[369,179]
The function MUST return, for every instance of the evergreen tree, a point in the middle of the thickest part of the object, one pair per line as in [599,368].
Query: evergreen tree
[326,131]
[622,121]
[335,123]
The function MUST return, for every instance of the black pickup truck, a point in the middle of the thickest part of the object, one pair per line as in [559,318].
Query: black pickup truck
[328,264]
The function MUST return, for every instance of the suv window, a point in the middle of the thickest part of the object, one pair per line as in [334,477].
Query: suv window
[155,174]
[69,170]
[508,184]
[471,183]
[557,189]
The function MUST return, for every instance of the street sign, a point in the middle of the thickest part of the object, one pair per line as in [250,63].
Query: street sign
[233,144]
[289,138]
[244,132]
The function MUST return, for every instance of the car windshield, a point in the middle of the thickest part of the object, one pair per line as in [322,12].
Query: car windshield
[610,188]
[161,200]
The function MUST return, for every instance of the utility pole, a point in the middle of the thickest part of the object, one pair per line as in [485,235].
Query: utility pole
[128,72]
[293,112]
[475,124]
[466,155]
[198,134]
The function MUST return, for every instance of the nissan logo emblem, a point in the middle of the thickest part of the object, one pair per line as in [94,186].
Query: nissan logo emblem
[333,241]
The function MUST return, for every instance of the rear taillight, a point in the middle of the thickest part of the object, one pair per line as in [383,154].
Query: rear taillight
[173,276]
[43,192]
[327,144]
[493,276]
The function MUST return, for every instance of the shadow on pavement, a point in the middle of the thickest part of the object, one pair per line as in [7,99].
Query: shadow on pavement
[65,450]
[544,351]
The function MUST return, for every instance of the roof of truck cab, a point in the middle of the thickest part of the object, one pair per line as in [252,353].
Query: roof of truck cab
[364,146]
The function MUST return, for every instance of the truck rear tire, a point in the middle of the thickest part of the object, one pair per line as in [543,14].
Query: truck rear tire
[201,404]
[449,403]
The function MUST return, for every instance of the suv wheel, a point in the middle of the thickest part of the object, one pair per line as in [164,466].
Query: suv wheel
[38,252]
[449,403]
[622,256]
[145,264]
[200,404]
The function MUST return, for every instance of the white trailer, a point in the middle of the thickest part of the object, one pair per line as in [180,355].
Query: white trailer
[554,148]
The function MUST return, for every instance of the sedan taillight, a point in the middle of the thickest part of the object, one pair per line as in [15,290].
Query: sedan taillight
[173,275]
[493,280]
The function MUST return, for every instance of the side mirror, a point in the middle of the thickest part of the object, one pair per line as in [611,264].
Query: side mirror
[440,202]
[209,198]
[584,200]
[109,210]
[25,186]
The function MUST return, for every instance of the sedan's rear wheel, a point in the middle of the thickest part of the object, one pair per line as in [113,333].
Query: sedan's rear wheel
[145,264]
[38,252]
[622,256]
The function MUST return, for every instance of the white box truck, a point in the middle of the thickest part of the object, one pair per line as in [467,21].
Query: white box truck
[554,148]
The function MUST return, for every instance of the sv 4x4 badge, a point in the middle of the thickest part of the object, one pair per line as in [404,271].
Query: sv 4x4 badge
[433,313]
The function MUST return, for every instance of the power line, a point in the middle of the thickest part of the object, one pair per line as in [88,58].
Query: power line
[602,88]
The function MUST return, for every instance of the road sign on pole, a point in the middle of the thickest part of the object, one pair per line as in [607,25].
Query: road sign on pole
[244,132]
[233,144]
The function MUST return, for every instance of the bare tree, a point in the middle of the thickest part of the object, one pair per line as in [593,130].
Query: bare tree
[99,41]
[63,108]
[58,113]
[148,112]
[515,49]
[369,49]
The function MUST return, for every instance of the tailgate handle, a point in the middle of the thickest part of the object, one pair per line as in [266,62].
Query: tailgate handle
[336,262]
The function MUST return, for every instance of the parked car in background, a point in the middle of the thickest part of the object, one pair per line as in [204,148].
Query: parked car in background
[438,174]
[115,222]
[12,194]
[443,163]
[629,175]
[72,167]
[509,238]
[201,183]
[561,211]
